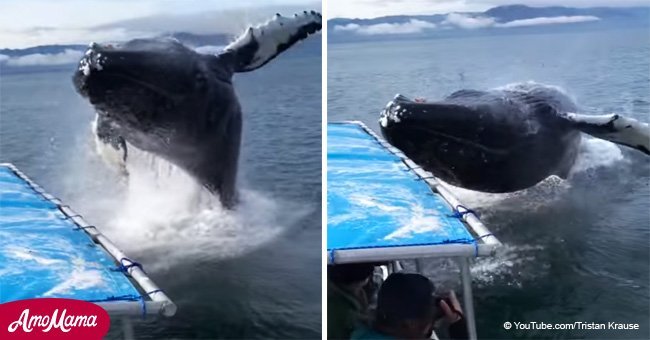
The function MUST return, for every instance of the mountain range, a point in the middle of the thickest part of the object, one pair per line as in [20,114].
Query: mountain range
[189,39]
[62,56]
[498,20]
[510,19]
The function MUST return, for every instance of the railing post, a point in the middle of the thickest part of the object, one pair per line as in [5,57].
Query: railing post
[468,300]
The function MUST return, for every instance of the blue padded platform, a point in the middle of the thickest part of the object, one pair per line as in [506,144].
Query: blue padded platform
[375,201]
[45,254]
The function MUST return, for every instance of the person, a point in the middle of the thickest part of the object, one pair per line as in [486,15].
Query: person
[406,309]
[347,300]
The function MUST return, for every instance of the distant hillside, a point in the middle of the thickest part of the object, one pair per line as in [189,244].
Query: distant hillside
[189,39]
[57,57]
[497,20]
[517,12]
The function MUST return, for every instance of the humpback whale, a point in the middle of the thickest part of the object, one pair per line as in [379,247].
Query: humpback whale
[159,96]
[501,140]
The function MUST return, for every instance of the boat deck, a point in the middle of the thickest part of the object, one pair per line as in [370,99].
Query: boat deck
[381,206]
[48,250]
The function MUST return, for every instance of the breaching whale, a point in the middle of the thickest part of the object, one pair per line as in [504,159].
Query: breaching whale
[501,140]
[159,96]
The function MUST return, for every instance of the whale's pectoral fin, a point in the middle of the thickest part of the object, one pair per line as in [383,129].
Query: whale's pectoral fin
[109,144]
[260,44]
[614,128]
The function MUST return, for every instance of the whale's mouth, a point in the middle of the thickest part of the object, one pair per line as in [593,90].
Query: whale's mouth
[403,113]
[133,104]
[160,69]
[441,137]
[128,79]
[94,80]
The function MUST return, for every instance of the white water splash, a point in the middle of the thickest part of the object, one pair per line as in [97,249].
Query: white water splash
[507,261]
[508,265]
[530,199]
[595,153]
[161,210]
[510,258]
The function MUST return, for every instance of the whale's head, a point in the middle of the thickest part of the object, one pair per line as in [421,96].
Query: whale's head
[439,136]
[151,89]
[481,140]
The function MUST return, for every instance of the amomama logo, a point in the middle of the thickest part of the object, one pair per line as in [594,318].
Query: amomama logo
[52,319]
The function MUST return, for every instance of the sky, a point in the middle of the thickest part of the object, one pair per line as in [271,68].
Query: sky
[26,23]
[377,8]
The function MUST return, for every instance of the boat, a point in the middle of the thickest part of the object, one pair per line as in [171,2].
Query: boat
[382,207]
[49,251]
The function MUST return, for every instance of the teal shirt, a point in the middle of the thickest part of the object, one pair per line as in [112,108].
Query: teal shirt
[366,333]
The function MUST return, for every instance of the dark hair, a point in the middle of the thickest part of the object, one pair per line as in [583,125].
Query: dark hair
[404,296]
[349,273]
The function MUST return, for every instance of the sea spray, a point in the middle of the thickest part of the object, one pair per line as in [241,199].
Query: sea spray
[159,211]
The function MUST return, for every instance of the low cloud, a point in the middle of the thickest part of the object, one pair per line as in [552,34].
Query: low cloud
[549,21]
[39,59]
[411,27]
[70,56]
[458,20]
[348,27]
[467,22]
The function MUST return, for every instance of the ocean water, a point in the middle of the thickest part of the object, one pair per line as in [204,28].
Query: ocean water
[250,273]
[573,250]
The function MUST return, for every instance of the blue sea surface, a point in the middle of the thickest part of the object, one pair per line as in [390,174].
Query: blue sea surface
[573,251]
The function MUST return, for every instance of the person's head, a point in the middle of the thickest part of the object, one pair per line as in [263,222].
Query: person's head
[406,306]
[352,274]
